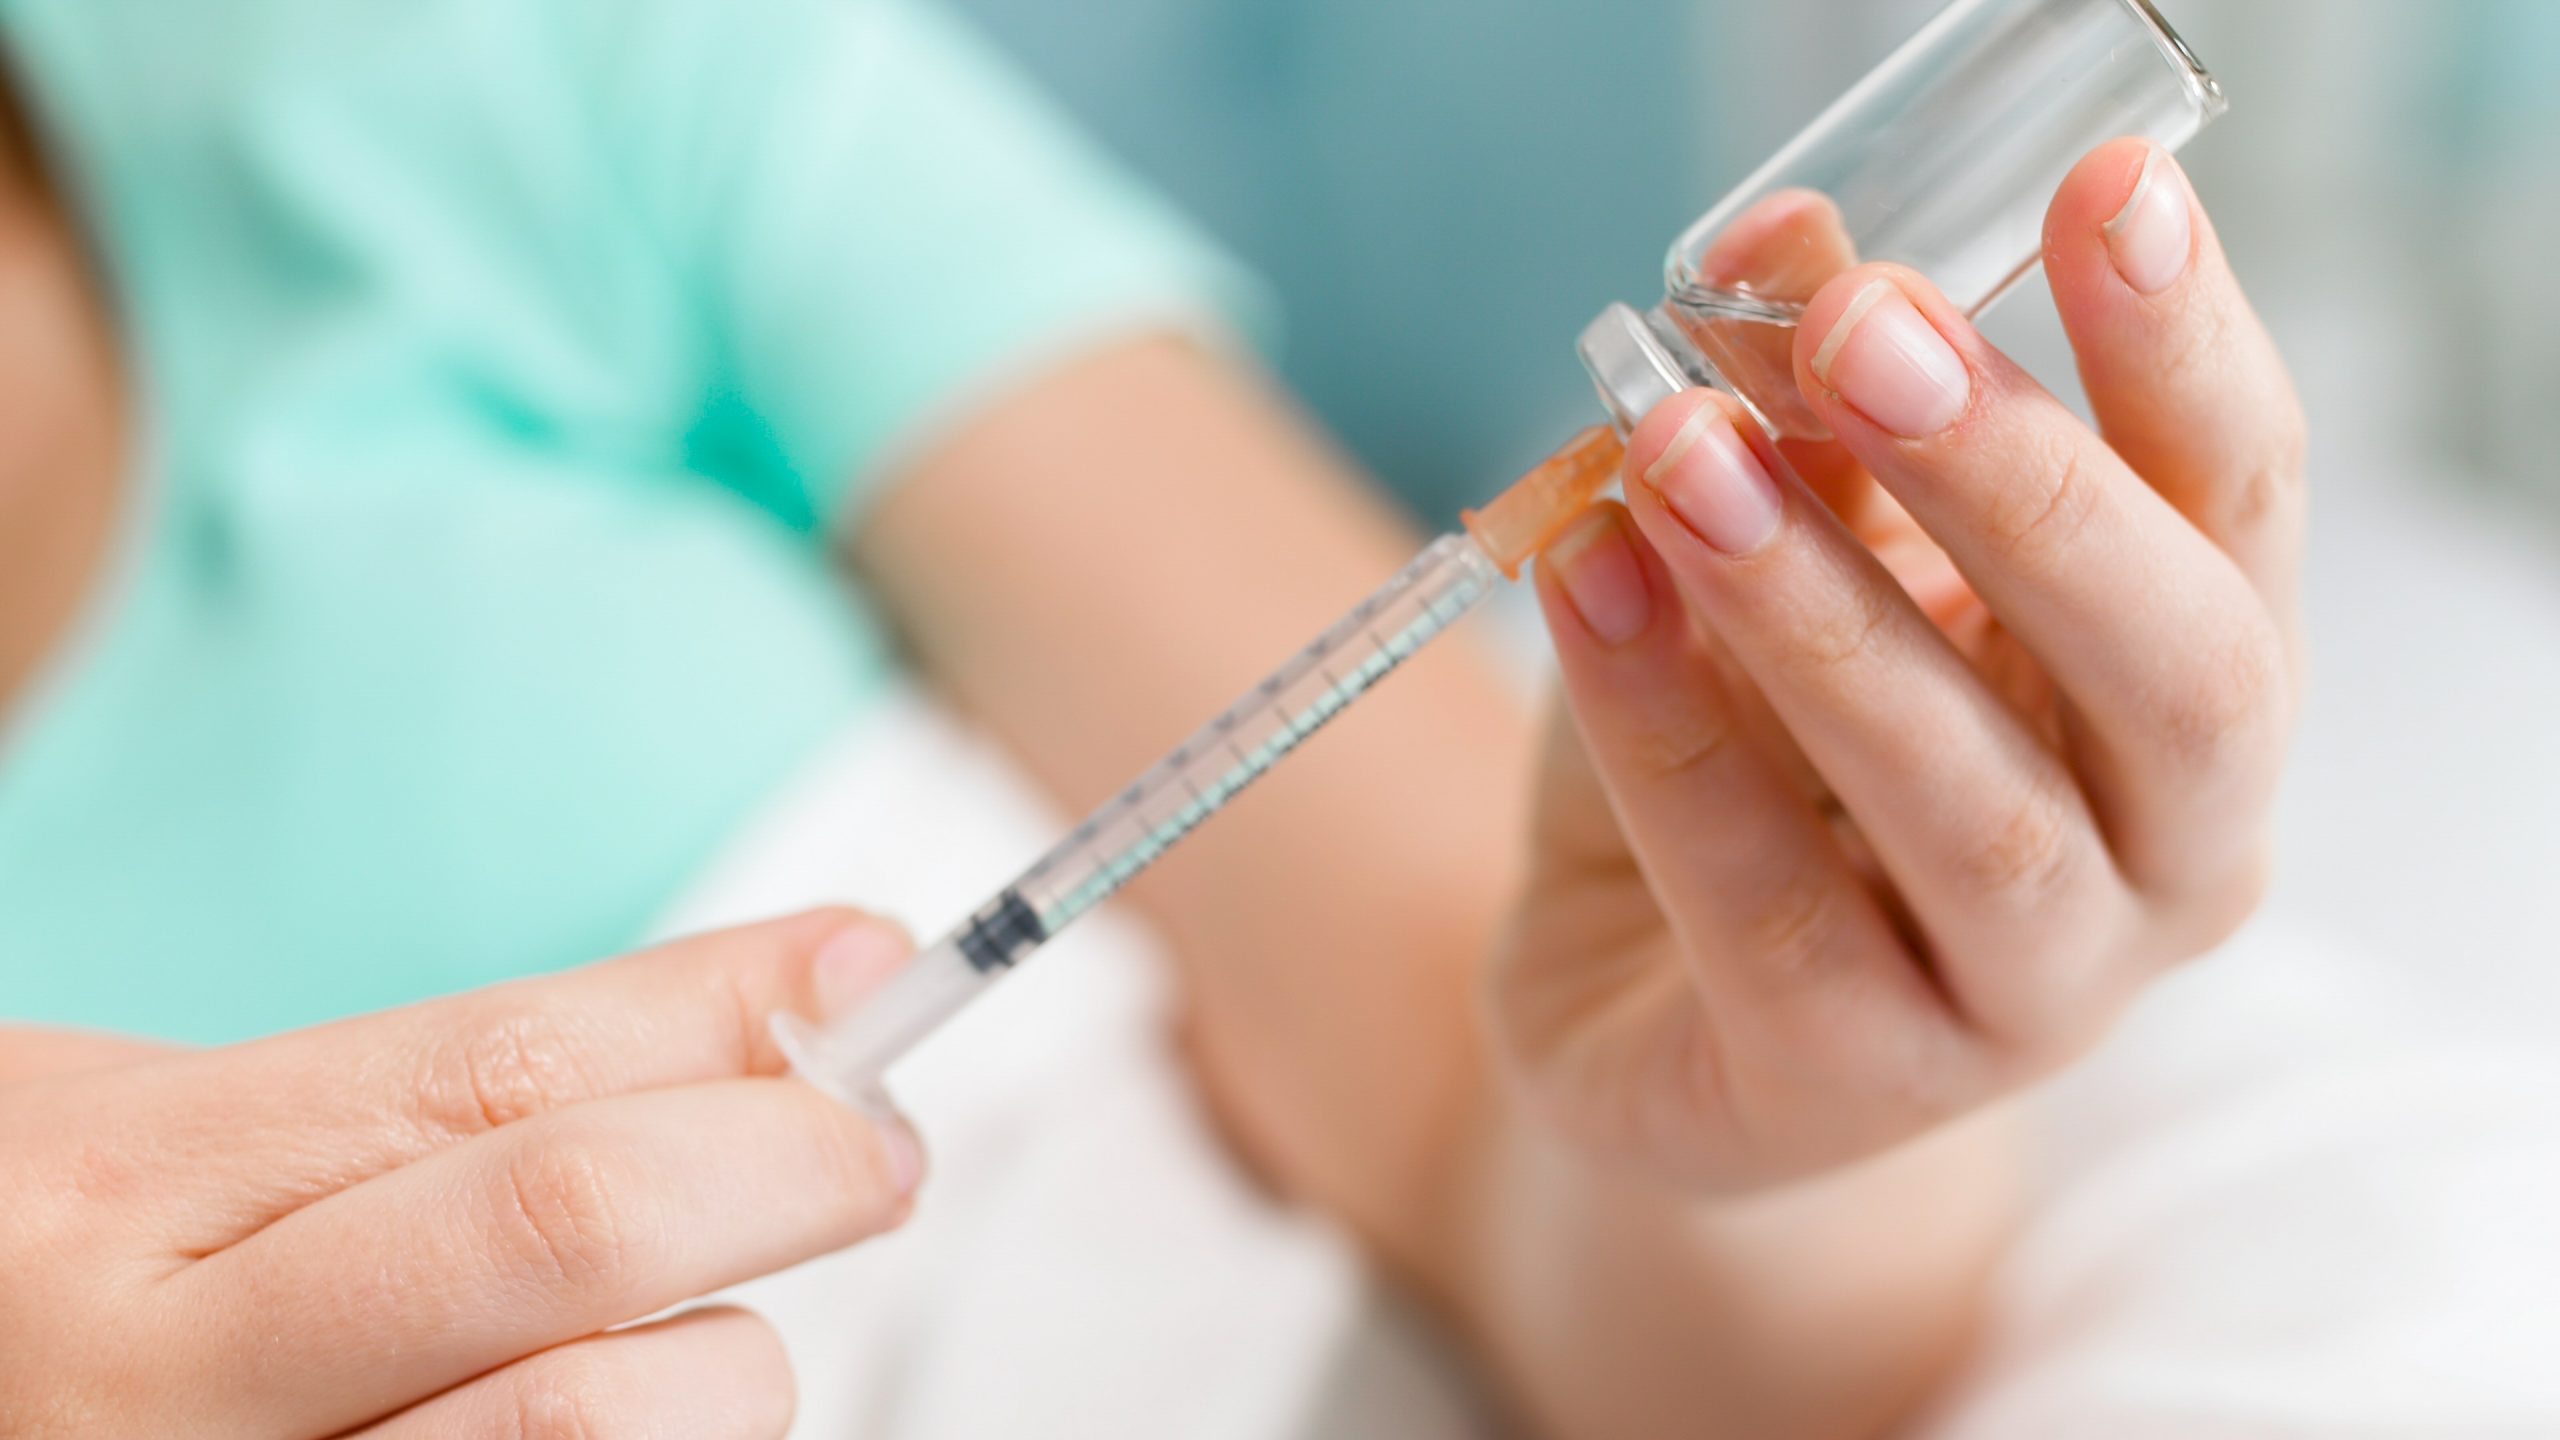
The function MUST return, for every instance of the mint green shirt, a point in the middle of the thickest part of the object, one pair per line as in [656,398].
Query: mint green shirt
[504,366]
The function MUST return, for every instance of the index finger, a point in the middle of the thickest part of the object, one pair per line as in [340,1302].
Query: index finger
[516,1241]
[255,1131]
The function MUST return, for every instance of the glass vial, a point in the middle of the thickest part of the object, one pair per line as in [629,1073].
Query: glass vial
[1943,159]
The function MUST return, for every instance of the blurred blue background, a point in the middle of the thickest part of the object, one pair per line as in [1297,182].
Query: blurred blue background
[1443,191]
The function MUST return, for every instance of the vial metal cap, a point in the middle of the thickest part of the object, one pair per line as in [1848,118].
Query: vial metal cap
[1631,364]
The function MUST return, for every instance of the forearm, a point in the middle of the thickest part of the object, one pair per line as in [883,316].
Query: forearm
[1112,556]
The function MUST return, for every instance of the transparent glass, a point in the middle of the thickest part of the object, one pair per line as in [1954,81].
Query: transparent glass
[1943,159]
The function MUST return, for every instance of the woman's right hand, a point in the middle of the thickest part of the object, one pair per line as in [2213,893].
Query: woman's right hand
[1902,762]
[424,1222]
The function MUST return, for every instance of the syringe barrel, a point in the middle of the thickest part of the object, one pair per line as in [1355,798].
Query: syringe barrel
[1129,832]
[847,1058]
[1197,779]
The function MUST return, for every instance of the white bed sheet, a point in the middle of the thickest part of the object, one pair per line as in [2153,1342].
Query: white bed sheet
[2285,1201]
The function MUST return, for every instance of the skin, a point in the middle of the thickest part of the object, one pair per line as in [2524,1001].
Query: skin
[1735,903]
[1713,1147]
[418,1223]
[62,418]
[1977,826]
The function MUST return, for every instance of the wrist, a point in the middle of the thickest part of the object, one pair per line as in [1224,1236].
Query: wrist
[1615,1305]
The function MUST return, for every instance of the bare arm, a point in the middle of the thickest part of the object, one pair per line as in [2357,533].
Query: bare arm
[1109,558]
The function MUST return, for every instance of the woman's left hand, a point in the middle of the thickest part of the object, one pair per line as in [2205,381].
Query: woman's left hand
[443,1219]
[1902,762]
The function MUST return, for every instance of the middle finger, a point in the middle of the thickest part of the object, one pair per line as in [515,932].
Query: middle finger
[256,1131]
[2173,666]
[1975,820]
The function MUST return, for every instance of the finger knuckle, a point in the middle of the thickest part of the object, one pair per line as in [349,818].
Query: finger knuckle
[1846,634]
[2034,521]
[1798,930]
[2272,488]
[1686,743]
[2231,715]
[73,1315]
[569,1217]
[508,1064]
[573,1394]
[2029,856]
[103,1172]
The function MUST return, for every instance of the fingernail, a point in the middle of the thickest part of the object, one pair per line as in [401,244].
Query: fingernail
[1884,357]
[1710,478]
[903,1152]
[1597,565]
[857,962]
[2152,235]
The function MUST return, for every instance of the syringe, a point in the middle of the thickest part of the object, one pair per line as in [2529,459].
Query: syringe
[1450,577]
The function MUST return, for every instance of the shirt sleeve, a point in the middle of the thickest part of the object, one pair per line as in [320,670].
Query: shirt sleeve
[888,227]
